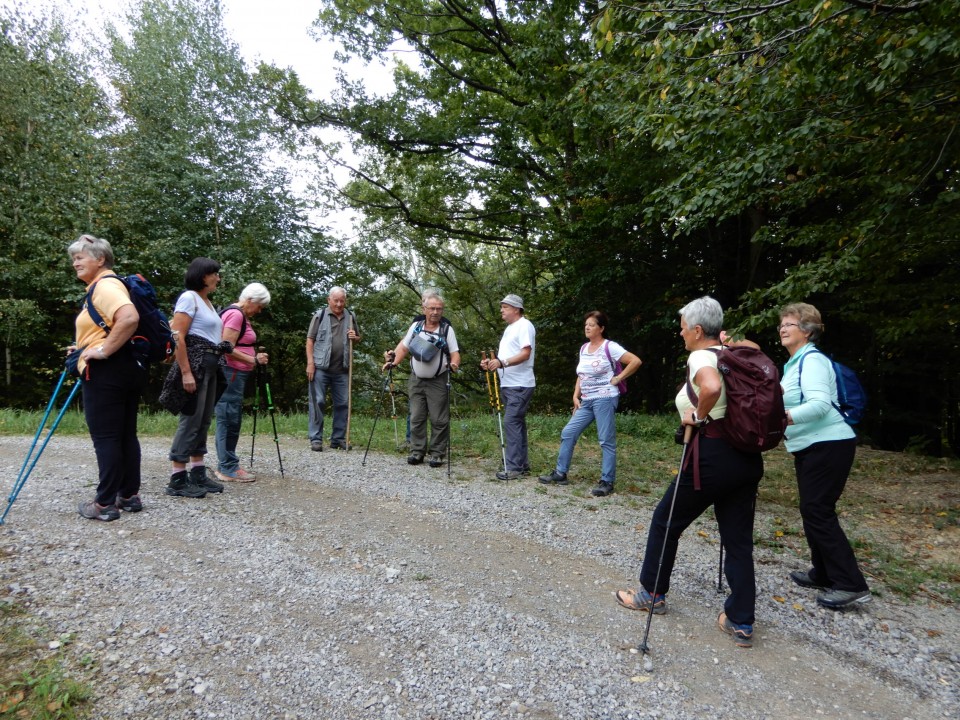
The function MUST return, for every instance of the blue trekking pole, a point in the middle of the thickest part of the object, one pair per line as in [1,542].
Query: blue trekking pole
[26,469]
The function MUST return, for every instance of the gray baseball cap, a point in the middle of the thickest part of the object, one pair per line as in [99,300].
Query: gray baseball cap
[513,301]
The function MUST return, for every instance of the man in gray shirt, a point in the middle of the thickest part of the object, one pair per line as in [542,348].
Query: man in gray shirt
[332,331]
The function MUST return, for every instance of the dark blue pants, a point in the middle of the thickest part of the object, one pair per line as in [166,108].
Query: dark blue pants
[111,396]
[729,480]
[516,400]
[822,471]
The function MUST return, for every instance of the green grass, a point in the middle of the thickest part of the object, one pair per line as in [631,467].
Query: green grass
[33,680]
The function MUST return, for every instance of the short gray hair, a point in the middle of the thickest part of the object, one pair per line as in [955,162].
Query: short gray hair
[257,293]
[336,289]
[95,247]
[431,294]
[705,312]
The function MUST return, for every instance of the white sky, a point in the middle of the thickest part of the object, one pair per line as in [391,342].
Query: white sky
[274,31]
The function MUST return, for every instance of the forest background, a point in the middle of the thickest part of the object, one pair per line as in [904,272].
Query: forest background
[586,155]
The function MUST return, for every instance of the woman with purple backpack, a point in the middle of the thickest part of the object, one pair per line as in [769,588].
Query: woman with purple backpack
[602,368]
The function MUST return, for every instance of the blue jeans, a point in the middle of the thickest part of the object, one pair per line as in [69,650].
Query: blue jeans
[516,400]
[338,384]
[603,410]
[229,412]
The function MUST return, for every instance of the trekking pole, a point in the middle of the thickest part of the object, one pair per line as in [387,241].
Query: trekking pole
[499,406]
[644,647]
[349,393]
[32,459]
[387,382]
[493,403]
[257,379]
[449,422]
[273,415]
[720,571]
[393,408]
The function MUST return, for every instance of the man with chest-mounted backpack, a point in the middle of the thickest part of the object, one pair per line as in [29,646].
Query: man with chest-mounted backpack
[432,345]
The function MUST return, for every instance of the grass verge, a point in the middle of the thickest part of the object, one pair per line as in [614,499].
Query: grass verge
[34,683]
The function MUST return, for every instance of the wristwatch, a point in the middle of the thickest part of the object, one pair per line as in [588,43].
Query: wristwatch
[700,422]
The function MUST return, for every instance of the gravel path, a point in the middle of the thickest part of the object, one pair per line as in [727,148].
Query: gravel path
[390,591]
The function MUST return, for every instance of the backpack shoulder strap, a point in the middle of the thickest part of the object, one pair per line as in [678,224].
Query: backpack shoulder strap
[606,349]
[91,308]
[319,315]
[243,323]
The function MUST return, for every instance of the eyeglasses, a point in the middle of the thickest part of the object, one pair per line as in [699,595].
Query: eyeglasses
[782,326]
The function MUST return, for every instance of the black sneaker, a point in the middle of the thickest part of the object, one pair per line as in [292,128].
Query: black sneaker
[414,459]
[340,446]
[130,504]
[554,478]
[840,599]
[316,445]
[92,511]
[803,579]
[201,477]
[602,489]
[436,461]
[182,486]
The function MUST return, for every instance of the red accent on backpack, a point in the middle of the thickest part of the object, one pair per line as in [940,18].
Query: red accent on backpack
[755,420]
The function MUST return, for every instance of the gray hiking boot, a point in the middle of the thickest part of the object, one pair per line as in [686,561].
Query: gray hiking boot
[840,599]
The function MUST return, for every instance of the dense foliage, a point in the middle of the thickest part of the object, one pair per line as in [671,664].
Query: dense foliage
[613,155]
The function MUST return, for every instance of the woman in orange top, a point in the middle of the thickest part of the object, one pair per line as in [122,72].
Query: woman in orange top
[112,380]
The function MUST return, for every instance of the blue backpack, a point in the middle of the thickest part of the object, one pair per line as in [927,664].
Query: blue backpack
[851,397]
[153,340]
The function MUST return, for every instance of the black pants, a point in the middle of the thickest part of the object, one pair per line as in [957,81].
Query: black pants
[729,480]
[822,471]
[111,396]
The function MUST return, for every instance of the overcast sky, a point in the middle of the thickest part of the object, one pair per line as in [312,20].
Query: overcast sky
[275,31]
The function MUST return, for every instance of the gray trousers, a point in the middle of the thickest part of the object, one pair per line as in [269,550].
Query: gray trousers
[516,400]
[428,399]
[190,439]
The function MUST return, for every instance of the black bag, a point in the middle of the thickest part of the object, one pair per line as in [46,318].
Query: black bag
[153,340]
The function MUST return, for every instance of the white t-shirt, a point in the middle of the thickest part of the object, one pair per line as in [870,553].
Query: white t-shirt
[516,337]
[439,362]
[204,320]
[700,359]
[595,371]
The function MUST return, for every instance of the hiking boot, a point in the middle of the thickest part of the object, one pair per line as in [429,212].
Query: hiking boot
[742,634]
[340,445]
[316,445]
[554,478]
[602,489]
[436,461]
[201,478]
[93,511]
[182,486]
[130,504]
[509,474]
[803,579]
[839,599]
[414,459]
[642,600]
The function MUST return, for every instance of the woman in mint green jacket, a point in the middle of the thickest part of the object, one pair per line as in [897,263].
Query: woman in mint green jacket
[823,447]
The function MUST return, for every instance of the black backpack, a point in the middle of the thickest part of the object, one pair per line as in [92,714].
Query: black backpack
[152,341]
[243,324]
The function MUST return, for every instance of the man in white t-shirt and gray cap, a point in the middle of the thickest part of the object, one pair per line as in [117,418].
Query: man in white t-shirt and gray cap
[514,363]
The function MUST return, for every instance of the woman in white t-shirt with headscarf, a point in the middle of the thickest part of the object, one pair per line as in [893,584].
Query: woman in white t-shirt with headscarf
[595,398]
